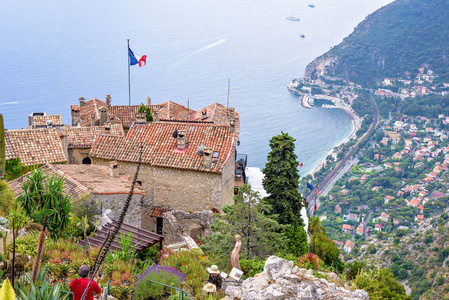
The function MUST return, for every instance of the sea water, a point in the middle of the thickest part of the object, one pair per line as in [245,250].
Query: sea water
[55,51]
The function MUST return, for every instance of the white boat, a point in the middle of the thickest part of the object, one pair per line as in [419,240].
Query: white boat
[292,18]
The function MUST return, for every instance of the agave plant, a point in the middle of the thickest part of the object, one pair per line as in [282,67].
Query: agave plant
[43,292]
[7,292]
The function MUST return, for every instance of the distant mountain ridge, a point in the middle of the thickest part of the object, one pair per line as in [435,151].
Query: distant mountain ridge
[399,37]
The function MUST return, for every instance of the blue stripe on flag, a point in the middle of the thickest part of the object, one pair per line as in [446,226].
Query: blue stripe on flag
[132,58]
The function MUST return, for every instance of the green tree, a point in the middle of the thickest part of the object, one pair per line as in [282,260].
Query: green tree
[249,217]
[297,241]
[147,111]
[281,180]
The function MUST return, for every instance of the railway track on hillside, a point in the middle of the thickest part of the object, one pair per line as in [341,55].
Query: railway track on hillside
[312,198]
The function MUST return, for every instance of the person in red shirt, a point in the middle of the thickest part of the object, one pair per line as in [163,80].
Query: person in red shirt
[79,285]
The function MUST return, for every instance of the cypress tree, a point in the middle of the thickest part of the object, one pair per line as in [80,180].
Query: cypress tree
[282,179]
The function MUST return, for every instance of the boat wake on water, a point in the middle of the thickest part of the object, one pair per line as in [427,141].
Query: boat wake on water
[221,41]
[205,48]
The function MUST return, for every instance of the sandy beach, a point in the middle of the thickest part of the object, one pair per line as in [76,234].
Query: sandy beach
[356,121]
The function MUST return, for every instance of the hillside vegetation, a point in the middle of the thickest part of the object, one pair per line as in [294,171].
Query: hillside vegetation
[419,260]
[391,42]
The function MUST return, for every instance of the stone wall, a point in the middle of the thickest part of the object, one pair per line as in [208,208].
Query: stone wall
[182,189]
[180,223]
[76,155]
[115,203]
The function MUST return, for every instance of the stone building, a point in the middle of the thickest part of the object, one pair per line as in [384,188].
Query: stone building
[102,182]
[186,166]
[81,139]
[98,113]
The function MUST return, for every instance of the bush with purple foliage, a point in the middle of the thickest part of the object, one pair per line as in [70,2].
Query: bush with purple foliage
[87,206]
[144,288]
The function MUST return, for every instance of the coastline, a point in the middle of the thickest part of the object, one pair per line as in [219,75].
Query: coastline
[356,121]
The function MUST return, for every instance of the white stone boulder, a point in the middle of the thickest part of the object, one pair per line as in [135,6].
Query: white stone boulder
[281,280]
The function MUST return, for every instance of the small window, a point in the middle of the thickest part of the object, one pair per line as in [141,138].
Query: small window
[139,182]
[216,154]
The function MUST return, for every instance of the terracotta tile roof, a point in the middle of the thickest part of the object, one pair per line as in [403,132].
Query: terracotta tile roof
[91,107]
[75,107]
[42,120]
[158,212]
[349,244]
[173,111]
[160,148]
[83,179]
[35,146]
[218,114]
[84,137]
[71,187]
[10,149]
[121,112]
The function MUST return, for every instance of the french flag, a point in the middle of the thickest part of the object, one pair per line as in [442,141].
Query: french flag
[134,60]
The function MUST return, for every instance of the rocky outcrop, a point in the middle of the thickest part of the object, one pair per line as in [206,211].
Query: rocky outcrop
[319,66]
[281,280]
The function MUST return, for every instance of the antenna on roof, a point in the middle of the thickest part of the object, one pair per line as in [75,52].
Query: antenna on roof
[229,85]
[187,131]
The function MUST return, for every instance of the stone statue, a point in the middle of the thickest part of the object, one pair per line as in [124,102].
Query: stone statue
[235,253]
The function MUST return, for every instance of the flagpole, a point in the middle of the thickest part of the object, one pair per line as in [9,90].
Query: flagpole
[129,86]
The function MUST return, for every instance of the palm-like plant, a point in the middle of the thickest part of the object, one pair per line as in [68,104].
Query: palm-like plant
[44,197]
[44,292]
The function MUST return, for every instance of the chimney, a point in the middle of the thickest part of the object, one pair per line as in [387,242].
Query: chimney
[65,144]
[76,118]
[81,100]
[108,100]
[103,115]
[204,114]
[148,101]
[231,112]
[232,124]
[207,158]
[141,118]
[155,116]
[113,169]
[181,139]
[92,120]
[49,123]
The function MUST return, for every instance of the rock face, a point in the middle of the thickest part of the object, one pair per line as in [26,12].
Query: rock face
[280,280]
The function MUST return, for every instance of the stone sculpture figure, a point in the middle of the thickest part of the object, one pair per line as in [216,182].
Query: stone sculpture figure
[235,253]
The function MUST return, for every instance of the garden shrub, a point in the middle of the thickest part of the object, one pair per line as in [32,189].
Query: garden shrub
[191,263]
[251,267]
[380,284]
[145,289]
